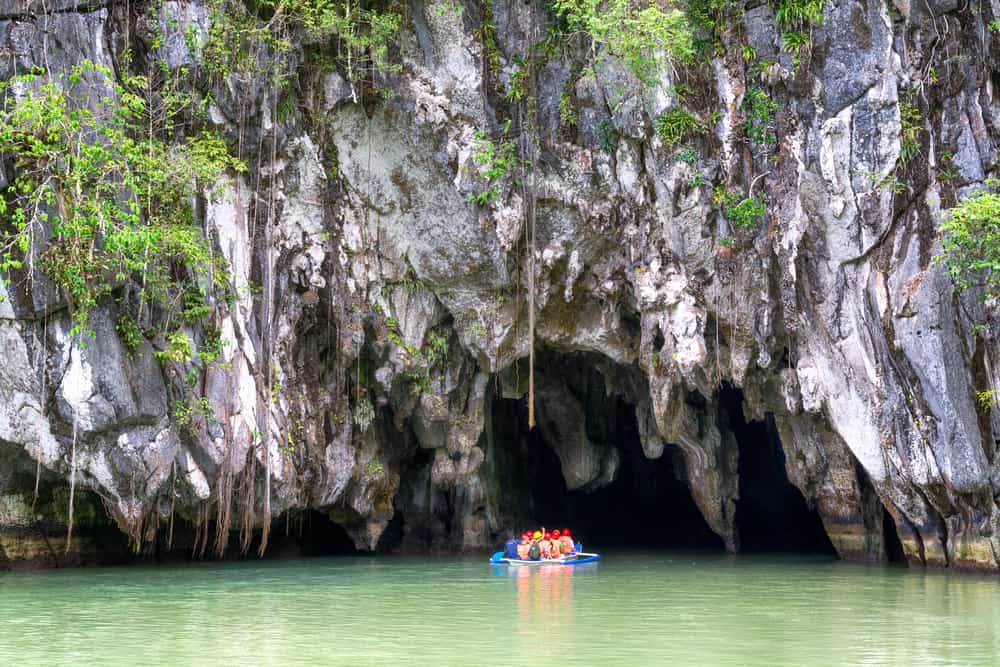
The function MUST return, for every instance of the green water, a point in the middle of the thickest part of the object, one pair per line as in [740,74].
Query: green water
[629,609]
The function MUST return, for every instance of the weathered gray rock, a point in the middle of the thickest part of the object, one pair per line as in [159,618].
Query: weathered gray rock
[356,247]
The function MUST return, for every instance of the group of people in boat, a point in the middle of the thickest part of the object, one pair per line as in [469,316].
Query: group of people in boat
[541,544]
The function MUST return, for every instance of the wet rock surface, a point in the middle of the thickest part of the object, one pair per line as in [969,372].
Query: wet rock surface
[378,314]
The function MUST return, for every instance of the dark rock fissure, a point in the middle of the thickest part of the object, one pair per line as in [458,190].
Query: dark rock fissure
[771,514]
[890,539]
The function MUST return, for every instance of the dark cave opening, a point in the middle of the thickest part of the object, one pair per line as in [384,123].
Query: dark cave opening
[292,535]
[647,505]
[771,513]
[648,502]
[313,533]
[890,540]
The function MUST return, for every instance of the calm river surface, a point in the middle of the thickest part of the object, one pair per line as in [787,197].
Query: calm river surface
[657,608]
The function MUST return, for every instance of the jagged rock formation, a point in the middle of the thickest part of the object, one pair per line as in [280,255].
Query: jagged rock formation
[352,245]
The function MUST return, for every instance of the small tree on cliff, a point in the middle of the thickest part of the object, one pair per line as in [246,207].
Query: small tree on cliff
[971,244]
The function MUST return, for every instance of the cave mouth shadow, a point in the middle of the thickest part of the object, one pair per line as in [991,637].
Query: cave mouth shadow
[646,505]
[649,503]
[295,534]
[772,515]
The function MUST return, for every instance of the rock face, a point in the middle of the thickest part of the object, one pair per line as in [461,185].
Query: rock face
[379,317]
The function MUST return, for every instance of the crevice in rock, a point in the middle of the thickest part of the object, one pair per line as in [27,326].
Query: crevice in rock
[890,539]
[771,513]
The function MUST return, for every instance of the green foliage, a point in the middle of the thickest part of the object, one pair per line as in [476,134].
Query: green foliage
[711,18]
[114,187]
[497,163]
[697,180]
[797,18]
[726,241]
[211,347]
[794,42]
[363,36]
[993,26]
[687,155]
[759,112]
[677,125]
[364,414]
[987,399]
[373,468]
[195,303]
[798,14]
[487,35]
[178,348]
[607,136]
[911,127]
[567,113]
[971,244]
[518,81]
[129,332]
[646,39]
[743,212]
[946,173]
[748,53]
[189,410]
[436,347]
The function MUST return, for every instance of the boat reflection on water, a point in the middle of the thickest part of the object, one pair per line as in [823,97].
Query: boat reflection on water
[544,600]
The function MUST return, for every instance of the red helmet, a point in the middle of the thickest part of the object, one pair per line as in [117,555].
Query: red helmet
[565,532]
[556,533]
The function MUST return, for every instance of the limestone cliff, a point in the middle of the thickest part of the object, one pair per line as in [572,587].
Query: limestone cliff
[377,314]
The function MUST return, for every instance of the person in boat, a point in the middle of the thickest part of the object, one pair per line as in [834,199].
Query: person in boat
[535,549]
[546,546]
[523,546]
[567,541]
[556,544]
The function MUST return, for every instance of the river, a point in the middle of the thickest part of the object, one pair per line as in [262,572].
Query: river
[648,608]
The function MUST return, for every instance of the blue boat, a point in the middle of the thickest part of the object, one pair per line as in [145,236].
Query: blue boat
[499,558]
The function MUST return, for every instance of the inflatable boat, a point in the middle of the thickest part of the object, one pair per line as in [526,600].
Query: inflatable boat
[573,559]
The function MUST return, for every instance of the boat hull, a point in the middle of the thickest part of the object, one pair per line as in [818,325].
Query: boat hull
[577,559]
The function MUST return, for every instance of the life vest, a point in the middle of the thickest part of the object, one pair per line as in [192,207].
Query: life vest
[534,551]
[511,548]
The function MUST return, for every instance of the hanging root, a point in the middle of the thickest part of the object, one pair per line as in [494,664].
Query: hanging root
[72,493]
[38,477]
[173,500]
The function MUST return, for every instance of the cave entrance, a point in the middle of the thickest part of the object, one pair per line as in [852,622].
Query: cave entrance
[621,498]
[312,533]
[771,513]
[648,504]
